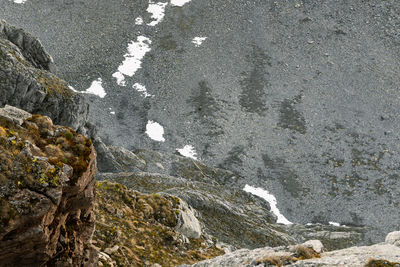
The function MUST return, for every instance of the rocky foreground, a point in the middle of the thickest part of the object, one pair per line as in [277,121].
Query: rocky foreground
[46,194]
[153,209]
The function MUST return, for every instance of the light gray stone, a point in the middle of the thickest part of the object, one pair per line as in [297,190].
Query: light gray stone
[393,238]
[188,224]
[314,244]
[14,114]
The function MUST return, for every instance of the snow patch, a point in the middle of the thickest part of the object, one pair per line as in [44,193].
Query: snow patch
[198,40]
[334,223]
[157,11]
[133,59]
[139,21]
[112,112]
[270,199]
[142,89]
[19,1]
[96,88]
[179,2]
[188,151]
[155,131]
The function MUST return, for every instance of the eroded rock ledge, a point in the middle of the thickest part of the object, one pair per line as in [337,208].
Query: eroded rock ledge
[46,192]
[27,83]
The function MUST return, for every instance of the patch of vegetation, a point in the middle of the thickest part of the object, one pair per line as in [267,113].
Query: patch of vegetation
[33,155]
[299,253]
[140,227]
[381,263]
[54,85]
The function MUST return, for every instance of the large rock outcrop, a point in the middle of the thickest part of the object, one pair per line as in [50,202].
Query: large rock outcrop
[47,192]
[26,80]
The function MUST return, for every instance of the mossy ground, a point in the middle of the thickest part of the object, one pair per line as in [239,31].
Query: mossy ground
[142,228]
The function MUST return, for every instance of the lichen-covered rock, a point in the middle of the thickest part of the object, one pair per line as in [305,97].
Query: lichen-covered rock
[46,193]
[135,229]
[26,81]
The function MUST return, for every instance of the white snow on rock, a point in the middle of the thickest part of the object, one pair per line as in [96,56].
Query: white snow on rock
[139,21]
[19,1]
[157,11]
[270,199]
[142,89]
[179,2]
[198,40]
[112,112]
[133,59]
[188,151]
[96,88]
[155,131]
[334,223]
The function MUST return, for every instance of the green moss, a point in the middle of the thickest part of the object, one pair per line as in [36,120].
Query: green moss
[68,135]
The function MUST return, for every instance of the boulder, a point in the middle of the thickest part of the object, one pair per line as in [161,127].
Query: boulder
[188,224]
[393,238]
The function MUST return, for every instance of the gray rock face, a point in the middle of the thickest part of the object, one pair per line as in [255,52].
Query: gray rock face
[25,80]
[30,46]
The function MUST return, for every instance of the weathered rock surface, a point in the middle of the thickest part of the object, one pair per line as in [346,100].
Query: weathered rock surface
[382,254]
[135,229]
[267,256]
[46,193]
[231,215]
[27,83]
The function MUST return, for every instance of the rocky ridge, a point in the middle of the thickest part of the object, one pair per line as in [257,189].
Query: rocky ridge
[27,82]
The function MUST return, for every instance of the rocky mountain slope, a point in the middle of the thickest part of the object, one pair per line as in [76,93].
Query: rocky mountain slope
[232,215]
[164,209]
[298,97]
